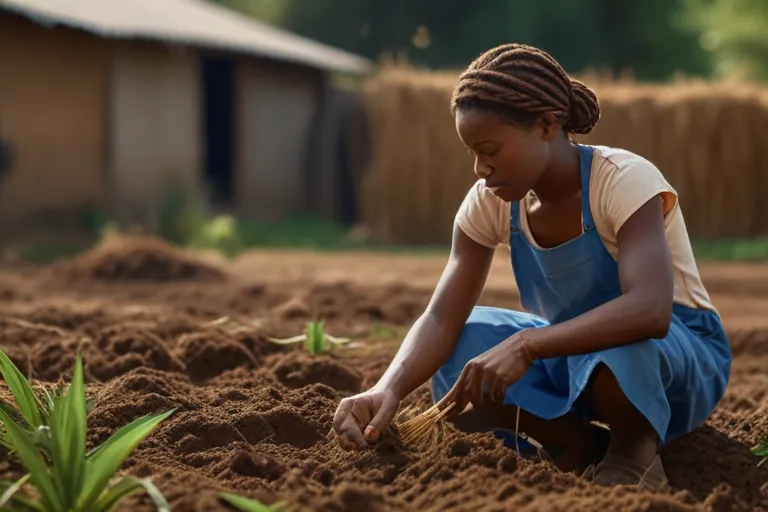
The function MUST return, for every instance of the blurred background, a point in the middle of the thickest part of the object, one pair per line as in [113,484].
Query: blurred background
[232,124]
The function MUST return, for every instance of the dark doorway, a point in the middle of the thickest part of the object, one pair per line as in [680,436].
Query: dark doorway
[219,86]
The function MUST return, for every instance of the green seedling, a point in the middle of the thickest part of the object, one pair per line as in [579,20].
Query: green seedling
[33,410]
[316,340]
[73,480]
[761,451]
[249,505]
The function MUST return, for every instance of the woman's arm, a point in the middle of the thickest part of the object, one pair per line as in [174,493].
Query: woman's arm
[359,419]
[430,341]
[644,309]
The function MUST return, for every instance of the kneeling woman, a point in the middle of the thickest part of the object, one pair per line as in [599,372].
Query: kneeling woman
[618,327]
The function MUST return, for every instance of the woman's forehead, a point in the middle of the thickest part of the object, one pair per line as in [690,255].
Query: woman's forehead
[475,127]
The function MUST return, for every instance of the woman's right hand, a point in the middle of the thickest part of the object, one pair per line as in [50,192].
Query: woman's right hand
[361,419]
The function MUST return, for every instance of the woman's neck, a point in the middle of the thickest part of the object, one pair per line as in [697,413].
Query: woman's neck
[562,177]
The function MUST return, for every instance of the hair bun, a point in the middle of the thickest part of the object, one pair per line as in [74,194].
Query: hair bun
[585,109]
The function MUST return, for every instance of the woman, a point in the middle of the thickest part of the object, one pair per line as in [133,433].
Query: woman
[618,327]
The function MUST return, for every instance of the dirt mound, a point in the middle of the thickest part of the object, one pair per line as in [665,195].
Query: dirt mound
[297,370]
[138,259]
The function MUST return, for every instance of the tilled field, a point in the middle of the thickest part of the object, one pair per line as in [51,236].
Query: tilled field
[252,417]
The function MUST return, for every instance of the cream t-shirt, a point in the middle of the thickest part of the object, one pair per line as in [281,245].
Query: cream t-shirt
[620,183]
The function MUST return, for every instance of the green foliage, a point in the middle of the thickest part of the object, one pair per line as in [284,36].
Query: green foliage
[316,341]
[761,451]
[185,221]
[731,250]
[271,11]
[33,412]
[643,35]
[221,233]
[248,505]
[66,478]
[734,33]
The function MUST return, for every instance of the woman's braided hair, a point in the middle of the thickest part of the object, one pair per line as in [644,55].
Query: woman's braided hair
[521,83]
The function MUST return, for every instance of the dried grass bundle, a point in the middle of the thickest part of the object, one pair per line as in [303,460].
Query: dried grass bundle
[706,138]
[420,429]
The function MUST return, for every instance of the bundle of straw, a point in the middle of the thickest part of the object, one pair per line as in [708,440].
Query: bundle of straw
[420,429]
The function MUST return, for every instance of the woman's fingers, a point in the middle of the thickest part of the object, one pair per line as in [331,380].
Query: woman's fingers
[498,392]
[352,416]
[474,386]
[455,396]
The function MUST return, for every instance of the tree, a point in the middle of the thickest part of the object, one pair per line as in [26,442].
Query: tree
[640,35]
[734,33]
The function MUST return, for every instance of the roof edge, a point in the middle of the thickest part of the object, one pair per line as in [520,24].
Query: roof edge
[344,61]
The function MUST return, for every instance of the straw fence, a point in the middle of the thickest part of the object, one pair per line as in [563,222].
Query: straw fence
[709,140]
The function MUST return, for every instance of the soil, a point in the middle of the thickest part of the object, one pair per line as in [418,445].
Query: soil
[253,417]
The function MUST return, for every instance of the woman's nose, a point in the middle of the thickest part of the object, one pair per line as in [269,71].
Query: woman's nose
[482,171]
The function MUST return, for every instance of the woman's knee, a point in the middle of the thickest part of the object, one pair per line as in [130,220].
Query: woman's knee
[611,404]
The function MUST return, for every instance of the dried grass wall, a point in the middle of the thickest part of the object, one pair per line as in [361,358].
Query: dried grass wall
[709,140]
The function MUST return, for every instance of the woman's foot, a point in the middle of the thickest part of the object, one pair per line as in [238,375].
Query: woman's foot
[630,460]
[617,470]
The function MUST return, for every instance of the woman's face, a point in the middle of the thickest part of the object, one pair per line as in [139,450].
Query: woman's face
[509,158]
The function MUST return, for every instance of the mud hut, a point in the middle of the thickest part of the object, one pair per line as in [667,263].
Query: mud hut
[105,103]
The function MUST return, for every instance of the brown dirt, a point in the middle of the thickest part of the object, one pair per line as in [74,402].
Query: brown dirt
[252,417]
[138,259]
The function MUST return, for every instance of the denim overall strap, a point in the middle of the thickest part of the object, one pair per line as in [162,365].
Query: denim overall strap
[586,160]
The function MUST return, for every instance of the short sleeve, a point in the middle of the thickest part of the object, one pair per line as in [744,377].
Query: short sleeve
[484,217]
[624,183]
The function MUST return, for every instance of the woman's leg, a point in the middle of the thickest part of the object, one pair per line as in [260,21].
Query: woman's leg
[632,435]
[572,444]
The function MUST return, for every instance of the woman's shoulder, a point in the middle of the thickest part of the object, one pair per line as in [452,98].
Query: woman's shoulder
[621,182]
[611,160]
[483,216]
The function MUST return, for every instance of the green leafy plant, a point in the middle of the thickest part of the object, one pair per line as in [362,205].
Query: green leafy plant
[761,450]
[316,340]
[219,233]
[34,409]
[73,480]
[249,505]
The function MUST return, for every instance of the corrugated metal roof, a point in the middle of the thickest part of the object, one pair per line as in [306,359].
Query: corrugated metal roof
[192,22]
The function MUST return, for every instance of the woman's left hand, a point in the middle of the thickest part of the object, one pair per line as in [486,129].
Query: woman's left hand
[485,379]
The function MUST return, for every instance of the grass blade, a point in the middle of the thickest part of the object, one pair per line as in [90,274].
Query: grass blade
[122,432]
[26,400]
[315,342]
[68,436]
[34,463]
[11,497]
[107,459]
[288,341]
[761,450]
[248,505]
[126,487]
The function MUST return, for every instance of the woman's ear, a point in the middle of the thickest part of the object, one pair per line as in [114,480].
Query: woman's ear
[551,125]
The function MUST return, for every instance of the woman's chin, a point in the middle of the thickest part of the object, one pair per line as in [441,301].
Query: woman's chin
[506,194]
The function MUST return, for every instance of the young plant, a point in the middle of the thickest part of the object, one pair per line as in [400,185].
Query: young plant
[75,481]
[761,451]
[33,411]
[248,505]
[32,415]
[316,340]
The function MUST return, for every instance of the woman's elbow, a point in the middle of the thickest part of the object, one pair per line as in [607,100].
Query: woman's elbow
[658,315]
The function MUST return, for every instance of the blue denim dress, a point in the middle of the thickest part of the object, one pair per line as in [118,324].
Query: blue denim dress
[675,382]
